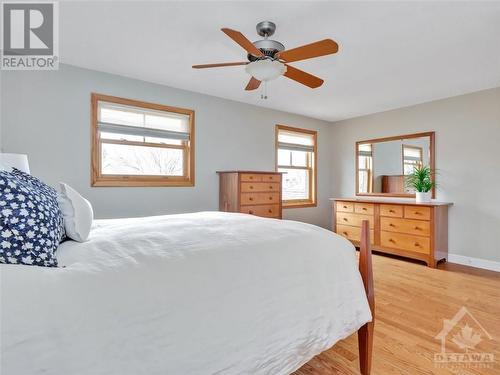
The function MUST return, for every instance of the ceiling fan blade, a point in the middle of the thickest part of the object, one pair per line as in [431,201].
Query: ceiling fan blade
[253,84]
[308,51]
[302,77]
[242,41]
[203,66]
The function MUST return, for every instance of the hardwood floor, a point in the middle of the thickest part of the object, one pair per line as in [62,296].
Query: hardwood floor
[411,303]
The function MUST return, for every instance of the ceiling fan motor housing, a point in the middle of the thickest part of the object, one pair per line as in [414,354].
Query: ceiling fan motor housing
[268,47]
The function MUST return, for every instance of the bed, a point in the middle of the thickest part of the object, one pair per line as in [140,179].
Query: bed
[202,293]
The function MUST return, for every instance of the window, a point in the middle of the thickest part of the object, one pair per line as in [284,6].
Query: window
[412,158]
[365,168]
[296,158]
[141,144]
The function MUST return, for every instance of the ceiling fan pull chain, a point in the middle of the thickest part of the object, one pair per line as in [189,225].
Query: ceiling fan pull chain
[264,91]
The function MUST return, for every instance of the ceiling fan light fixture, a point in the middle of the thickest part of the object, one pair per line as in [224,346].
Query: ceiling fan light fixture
[265,70]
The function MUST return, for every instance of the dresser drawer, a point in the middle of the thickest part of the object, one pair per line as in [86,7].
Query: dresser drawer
[345,207]
[363,208]
[248,187]
[268,210]
[271,177]
[405,242]
[408,226]
[391,210]
[353,233]
[344,218]
[258,177]
[415,212]
[252,177]
[260,198]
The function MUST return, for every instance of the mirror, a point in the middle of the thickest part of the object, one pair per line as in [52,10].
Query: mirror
[383,163]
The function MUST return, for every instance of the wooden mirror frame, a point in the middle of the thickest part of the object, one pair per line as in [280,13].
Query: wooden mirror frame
[432,158]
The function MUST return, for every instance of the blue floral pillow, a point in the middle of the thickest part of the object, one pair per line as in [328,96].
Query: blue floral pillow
[38,184]
[31,223]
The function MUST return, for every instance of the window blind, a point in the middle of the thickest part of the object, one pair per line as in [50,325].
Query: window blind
[294,147]
[140,131]
[293,141]
[412,158]
[128,120]
[411,153]
[365,153]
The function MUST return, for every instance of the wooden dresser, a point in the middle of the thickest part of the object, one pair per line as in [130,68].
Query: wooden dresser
[250,192]
[405,228]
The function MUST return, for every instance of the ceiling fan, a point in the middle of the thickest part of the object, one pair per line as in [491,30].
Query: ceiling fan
[268,59]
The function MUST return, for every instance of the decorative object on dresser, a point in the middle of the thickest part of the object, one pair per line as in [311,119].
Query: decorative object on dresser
[250,192]
[383,164]
[422,182]
[405,228]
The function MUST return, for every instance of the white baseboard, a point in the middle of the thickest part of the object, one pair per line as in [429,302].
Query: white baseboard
[474,262]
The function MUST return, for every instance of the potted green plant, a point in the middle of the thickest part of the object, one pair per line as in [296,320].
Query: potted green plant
[421,181]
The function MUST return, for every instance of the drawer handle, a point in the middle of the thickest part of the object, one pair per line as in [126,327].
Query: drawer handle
[251,177]
[344,206]
[251,199]
[270,198]
[250,212]
[391,225]
[392,211]
[391,240]
[416,244]
[345,233]
[417,228]
[270,211]
[345,219]
[364,208]
[251,186]
[271,187]
[417,213]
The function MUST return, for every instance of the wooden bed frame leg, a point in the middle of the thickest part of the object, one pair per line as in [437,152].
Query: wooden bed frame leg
[365,333]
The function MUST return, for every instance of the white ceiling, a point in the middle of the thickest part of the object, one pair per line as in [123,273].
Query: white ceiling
[392,54]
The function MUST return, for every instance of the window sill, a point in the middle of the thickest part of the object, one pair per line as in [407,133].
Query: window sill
[299,204]
[144,182]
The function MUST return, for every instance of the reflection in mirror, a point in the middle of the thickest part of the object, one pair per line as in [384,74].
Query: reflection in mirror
[383,163]
[365,168]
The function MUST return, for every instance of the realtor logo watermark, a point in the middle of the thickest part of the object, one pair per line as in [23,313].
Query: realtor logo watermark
[460,338]
[30,36]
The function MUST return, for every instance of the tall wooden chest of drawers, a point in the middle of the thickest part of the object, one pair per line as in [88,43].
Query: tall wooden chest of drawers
[250,192]
[405,228]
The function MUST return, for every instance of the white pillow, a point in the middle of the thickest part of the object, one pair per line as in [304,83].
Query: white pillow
[77,213]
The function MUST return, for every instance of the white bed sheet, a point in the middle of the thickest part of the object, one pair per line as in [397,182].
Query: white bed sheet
[204,293]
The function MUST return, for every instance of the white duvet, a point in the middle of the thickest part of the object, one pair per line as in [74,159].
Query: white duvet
[204,293]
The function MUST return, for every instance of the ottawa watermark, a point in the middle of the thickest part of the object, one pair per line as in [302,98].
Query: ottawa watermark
[30,35]
[460,338]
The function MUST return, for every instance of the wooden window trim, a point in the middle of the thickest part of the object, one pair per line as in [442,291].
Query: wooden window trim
[98,179]
[313,169]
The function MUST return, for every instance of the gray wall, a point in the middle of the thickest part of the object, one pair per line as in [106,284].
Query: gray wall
[467,159]
[1,102]
[47,116]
